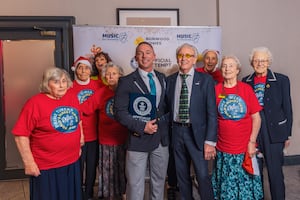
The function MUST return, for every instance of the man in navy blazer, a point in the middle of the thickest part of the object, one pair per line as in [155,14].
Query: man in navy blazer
[273,93]
[192,140]
[148,139]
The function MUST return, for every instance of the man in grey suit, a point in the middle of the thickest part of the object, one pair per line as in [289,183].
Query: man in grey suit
[194,122]
[148,138]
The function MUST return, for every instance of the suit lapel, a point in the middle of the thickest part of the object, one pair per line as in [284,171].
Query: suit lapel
[162,82]
[195,85]
[138,81]
[172,85]
[194,89]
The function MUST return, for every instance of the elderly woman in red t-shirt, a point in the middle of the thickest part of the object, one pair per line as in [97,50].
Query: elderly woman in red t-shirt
[238,126]
[48,135]
[112,136]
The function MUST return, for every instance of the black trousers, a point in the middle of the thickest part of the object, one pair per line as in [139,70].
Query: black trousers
[273,159]
[89,160]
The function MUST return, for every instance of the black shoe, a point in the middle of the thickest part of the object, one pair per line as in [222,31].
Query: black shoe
[171,192]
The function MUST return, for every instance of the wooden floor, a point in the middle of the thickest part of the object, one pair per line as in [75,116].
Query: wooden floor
[19,189]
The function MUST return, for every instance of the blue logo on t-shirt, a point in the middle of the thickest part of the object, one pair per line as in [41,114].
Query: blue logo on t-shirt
[65,119]
[232,107]
[109,108]
[84,95]
[259,90]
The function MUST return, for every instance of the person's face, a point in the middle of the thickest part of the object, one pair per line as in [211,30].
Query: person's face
[145,57]
[210,61]
[83,72]
[100,62]
[186,59]
[229,69]
[59,87]
[112,76]
[260,63]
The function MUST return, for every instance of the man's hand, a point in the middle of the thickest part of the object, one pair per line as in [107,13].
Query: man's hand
[151,127]
[209,152]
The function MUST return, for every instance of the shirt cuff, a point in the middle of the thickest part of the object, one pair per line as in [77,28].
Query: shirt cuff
[210,143]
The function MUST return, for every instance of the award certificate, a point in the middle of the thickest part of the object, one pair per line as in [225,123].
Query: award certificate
[142,106]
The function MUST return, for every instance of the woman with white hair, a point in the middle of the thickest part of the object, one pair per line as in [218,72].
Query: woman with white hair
[48,135]
[273,92]
[238,126]
[112,136]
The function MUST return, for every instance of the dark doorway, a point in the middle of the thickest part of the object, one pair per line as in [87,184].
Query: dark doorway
[28,45]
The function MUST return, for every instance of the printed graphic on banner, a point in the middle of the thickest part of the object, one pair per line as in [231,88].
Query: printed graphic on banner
[120,43]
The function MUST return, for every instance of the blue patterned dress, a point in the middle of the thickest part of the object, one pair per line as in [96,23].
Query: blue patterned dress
[231,182]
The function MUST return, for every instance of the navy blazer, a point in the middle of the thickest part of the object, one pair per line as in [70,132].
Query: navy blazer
[138,140]
[277,105]
[203,111]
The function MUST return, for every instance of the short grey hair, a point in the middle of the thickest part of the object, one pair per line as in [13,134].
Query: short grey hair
[111,65]
[53,73]
[189,46]
[236,60]
[262,50]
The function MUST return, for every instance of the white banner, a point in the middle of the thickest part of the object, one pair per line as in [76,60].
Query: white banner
[120,42]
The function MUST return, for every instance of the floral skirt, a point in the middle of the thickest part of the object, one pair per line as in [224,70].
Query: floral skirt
[112,181]
[231,181]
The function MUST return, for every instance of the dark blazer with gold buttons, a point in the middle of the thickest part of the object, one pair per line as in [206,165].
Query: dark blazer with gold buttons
[277,105]
[138,140]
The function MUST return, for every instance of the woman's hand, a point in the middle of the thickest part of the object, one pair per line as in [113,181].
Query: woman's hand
[252,148]
[32,169]
[23,144]
[287,143]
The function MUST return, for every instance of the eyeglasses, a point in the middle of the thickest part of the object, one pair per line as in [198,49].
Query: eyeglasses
[185,55]
[260,61]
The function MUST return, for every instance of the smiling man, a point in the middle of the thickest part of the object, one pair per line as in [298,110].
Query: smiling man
[192,105]
[144,91]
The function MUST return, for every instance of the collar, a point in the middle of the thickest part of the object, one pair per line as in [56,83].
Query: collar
[270,76]
[82,82]
[144,74]
[190,73]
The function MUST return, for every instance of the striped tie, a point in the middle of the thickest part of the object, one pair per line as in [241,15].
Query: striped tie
[152,84]
[183,112]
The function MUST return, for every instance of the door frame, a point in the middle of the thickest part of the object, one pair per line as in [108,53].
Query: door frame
[58,28]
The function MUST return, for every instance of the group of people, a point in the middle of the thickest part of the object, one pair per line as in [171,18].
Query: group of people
[145,120]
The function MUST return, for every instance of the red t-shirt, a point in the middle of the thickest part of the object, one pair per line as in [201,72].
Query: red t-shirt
[100,80]
[110,132]
[235,107]
[216,75]
[89,122]
[259,88]
[53,128]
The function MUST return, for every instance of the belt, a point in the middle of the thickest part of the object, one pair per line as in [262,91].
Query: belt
[182,124]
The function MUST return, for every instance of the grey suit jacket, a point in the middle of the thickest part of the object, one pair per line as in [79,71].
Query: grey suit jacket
[203,111]
[138,140]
